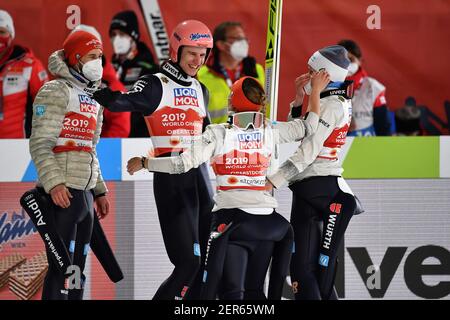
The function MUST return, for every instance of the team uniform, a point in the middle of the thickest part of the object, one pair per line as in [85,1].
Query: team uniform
[247,232]
[322,202]
[174,108]
[65,131]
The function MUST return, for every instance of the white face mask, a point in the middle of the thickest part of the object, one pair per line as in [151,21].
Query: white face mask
[239,49]
[121,44]
[308,88]
[352,68]
[93,69]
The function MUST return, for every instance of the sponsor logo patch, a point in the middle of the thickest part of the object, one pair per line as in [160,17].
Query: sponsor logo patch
[199,36]
[251,140]
[323,260]
[185,97]
[39,110]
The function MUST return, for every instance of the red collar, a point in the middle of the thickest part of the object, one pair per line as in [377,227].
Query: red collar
[358,78]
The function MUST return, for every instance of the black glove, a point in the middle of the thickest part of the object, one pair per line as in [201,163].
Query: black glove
[105,96]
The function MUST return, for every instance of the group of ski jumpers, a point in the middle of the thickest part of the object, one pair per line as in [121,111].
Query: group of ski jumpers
[221,244]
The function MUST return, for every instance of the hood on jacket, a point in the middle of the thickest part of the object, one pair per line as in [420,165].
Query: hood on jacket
[58,67]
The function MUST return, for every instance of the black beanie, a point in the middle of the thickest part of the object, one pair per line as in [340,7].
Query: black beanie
[126,21]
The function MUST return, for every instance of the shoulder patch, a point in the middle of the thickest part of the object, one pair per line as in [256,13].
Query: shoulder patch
[164,79]
[43,75]
[39,110]
[341,98]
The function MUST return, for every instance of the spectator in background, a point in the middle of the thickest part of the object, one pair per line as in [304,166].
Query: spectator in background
[228,62]
[132,59]
[115,124]
[21,77]
[370,115]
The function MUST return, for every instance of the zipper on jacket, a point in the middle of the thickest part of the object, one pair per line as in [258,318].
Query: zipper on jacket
[90,166]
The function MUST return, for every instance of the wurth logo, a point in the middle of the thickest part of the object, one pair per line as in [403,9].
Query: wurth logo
[335,208]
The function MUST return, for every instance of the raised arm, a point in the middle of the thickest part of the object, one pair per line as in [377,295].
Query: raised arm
[144,96]
[310,147]
[201,151]
[297,129]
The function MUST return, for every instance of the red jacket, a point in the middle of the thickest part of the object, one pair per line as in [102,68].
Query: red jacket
[115,124]
[21,77]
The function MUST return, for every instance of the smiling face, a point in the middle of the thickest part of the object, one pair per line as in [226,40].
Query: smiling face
[192,58]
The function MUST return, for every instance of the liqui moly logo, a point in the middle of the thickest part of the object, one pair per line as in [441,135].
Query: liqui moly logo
[251,140]
[87,104]
[185,97]
[16,228]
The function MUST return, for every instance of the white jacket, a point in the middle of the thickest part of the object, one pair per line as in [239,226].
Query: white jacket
[317,155]
[212,140]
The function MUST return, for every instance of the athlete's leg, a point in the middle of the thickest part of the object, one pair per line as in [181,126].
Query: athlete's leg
[307,234]
[206,203]
[234,272]
[177,202]
[281,259]
[258,265]
[84,232]
[336,219]
[65,221]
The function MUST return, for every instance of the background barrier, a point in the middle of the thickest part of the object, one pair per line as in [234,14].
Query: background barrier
[402,183]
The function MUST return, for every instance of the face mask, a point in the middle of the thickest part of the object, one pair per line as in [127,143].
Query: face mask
[308,88]
[121,44]
[4,43]
[239,49]
[352,68]
[93,70]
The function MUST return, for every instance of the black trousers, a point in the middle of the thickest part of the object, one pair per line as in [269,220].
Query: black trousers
[74,225]
[320,214]
[184,203]
[240,249]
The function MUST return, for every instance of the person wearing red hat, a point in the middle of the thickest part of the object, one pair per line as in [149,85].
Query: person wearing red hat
[21,76]
[65,130]
[115,124]
[174,106]
[246,230]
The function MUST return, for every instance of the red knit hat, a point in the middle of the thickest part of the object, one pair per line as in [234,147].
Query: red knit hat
[79,43]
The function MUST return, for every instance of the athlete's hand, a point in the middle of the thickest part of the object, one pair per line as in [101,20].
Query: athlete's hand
[134,165]
[300,82]
[102,204]
[61,196]
[320,80]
